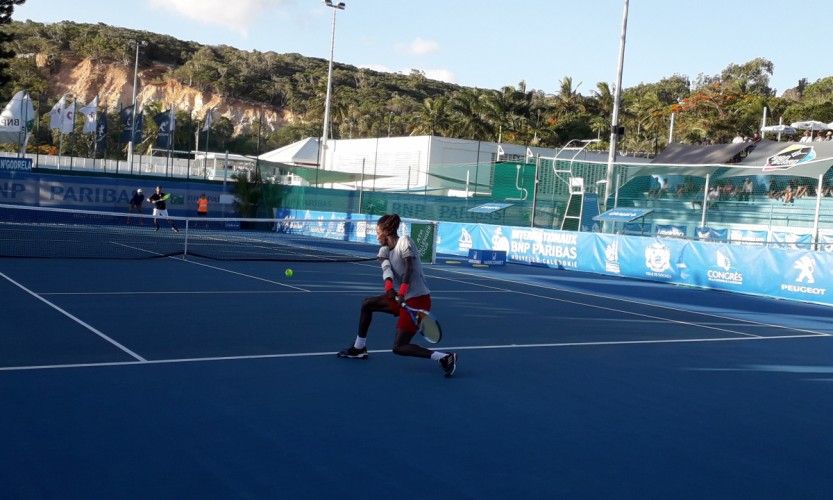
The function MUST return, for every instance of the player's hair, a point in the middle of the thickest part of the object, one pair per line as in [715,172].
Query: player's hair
[389,223]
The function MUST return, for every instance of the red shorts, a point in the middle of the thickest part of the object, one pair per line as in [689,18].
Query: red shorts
[404,323]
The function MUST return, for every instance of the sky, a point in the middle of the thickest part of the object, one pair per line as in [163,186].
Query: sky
[494,43]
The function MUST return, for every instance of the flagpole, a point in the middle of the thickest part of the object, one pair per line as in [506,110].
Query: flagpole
[95,138]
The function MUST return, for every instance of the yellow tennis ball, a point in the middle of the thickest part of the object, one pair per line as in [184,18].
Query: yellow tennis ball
[289,273]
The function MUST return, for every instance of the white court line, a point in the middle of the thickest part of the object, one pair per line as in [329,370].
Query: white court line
[221,292]
[77,320]
[388,351]
[618,299]
[215,267]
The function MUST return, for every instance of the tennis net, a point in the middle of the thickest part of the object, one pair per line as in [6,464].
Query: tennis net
[40,232]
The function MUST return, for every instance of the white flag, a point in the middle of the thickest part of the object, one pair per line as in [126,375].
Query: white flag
[68,119]
[90,112]
[56,114]
[208,120]
[17,118]
[500,152]
[173,119]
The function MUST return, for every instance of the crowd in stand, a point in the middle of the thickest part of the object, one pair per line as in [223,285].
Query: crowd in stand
[821,136]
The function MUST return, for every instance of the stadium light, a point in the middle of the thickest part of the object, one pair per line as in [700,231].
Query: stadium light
[139,43]
[326,131]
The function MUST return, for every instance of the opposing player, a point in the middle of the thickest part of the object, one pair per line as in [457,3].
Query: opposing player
[160,209]
[403,280]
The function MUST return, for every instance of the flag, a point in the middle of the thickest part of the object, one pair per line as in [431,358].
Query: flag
[500,152]
[17,118]
[101,133]
[208,120]
[90,112]
[126,116]
[140,125]
[68,119]
[165,134]
[57,113]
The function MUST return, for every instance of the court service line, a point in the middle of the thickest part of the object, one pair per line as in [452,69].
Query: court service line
[74,318]
[388,351]
[619,299]
[215,267]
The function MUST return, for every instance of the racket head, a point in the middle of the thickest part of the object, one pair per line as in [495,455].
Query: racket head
[166,197]
[429,327]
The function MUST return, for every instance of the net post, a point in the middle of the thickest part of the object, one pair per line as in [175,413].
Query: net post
[185,246]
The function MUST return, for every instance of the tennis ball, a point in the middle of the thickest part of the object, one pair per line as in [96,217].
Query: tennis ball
[289,273]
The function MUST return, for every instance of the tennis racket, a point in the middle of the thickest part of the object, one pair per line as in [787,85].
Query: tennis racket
[426,324]
[164,198]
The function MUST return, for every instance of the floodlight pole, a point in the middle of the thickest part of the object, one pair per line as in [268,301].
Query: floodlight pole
[326,131]
[614,121]
[139,43]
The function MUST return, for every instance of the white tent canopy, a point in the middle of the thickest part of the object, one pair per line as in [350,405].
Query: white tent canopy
[304,152]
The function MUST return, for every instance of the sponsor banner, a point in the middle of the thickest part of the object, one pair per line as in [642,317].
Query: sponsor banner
[600,254]
[671,231]
[721,266]
[825,242]
[101,193]
[712,234]
[795,241]
[16,164]
[803,275]
[748,236]
[790,156]
[651,258]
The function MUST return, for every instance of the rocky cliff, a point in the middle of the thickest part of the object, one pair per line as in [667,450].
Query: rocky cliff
[113,83]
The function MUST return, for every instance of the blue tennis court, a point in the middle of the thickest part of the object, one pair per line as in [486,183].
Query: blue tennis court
[179,377]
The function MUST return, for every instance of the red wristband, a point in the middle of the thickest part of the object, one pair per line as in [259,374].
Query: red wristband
[403,289]
[388,284]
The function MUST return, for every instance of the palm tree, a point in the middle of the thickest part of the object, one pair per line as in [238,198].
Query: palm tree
[433,118]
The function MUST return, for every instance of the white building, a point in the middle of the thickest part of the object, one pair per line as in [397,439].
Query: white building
[430,164]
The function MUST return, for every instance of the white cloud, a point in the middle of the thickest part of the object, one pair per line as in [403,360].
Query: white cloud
[236,15]
[442,75]
[378,67]
[421,47]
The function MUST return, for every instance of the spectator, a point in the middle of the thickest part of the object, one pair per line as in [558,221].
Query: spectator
[807,137]
[136,205]
[746,190]
[202,207]
[773,190]
[789,193]
[830,135]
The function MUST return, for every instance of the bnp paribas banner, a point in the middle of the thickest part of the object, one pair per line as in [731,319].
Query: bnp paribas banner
[528,245]
[102,193]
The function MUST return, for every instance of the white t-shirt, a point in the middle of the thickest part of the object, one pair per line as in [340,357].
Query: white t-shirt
[405,248]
